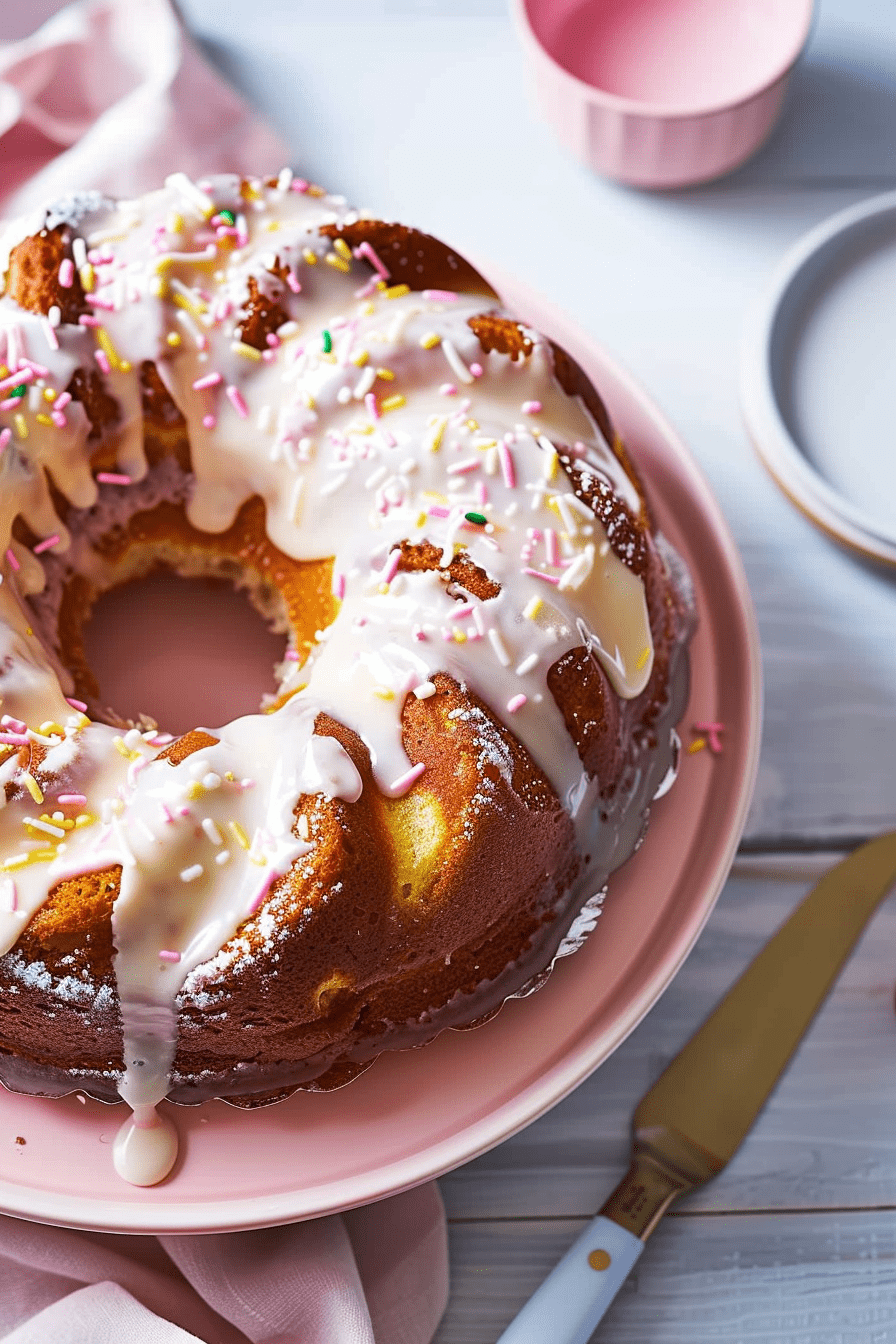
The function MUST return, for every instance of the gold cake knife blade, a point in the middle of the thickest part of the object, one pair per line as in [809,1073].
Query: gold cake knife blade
[693,1119]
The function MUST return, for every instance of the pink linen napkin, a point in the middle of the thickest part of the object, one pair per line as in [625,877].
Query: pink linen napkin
[109,94]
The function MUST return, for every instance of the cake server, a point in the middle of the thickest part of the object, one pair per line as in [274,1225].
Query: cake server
[693,1119]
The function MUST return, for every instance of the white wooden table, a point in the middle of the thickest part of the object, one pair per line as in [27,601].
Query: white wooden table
[418,109]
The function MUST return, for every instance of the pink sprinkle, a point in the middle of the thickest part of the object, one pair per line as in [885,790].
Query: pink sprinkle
[62,400]
[184,812]
[339,586]
[365,250]
[530,407]
[440,295]
[66,272]
[162,739]
[88,320]
[96,301]
[551,546]
[209,421]
[516,703]
[712,731]
[539,574]
[13,559]
[39,370]
[448,390]
[17,379]
[208,380]
[258,900]
[13,740]
[12,403]
[404,782]
[476,370]
[47,544]
[460,611]
[391,566]
[481,492]
[506,460]
[76,704]
[102,360]
[293,282]
[461,468]
[235,397]
[71,799]
[419,635]
[370,403]
[5,436]
[112,478]
[13,725]
[438,511]
[291,656]
[299,184]
[58,419]
[50,335]
[165,955]
[272,339]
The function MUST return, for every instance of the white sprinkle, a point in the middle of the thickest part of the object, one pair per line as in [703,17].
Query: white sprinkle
[54,316]
[303,827]
[530,661]
[198,199]
[424,690]
[265,416]
[295,499]
[365,383]
[211,780]
[457,364]
[222,858]
[376,478]
[344,396]
[45,826]
[191,874]
[497,642]
[212,831]
[79,252]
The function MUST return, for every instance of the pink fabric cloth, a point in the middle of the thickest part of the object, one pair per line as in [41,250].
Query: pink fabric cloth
[110,95]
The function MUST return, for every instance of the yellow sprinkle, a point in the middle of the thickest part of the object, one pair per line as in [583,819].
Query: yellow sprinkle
[4,370]
[393,403]
[460,637]
[118,744]
[360,358]
[337,262]
[175,223]
[173,339]
[472,424]
[315,191]
[19,422]
[438,432]
[87,276]
[16,862]
[32,786]
[84,819]
[430,340]
[697,745]
[158,288]
[550,464]
[249,192]
[485,444]
[108,348]
[310,257]
[196,790]
[125,365]
[308,400]
[247,351]
[397,291]
[421,518]
[273,225]
[532,608]
[386,374]
[238,834]
[43,419]
[342,247]
[642,658]
[383,588]
[383,693]
[51,727]
[194,306]
[49,394]
[368,309]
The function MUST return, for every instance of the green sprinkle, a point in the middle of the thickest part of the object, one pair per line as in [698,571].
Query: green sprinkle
[328,342]
[19,391]
[228,216]
[479,518]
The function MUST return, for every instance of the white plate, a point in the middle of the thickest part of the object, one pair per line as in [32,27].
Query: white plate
[818,376]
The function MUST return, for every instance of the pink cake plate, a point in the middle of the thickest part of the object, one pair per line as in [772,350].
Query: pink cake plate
[419,1113]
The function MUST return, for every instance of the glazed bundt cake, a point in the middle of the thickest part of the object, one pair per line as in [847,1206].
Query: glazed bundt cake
[485,644]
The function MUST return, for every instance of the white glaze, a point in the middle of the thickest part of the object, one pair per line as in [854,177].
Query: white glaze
[343,472]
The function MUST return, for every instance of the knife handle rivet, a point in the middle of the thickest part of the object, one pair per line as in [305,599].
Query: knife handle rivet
[599,1260]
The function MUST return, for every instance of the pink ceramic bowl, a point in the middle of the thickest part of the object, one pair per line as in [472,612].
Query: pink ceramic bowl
[662,93]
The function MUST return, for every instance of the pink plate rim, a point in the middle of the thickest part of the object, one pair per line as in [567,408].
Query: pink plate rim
[548,1039]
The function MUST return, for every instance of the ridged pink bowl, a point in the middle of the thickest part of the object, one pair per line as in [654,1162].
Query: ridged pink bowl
[662,93]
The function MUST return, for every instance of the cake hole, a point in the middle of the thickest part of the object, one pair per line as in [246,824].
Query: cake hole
[188,651]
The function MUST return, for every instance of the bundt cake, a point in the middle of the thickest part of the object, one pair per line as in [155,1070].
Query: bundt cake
[485,644]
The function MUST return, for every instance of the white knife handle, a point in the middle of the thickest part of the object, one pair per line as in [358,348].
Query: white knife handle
[575,1295]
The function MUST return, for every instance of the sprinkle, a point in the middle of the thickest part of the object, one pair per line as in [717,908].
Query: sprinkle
[212,831]
[530,407]
[497,642]
[209,421]
[396,291]
[403,783]
[370,403]
[190,874]
[393,403]
[424,690]
[478,518]
[54,315]
[391,567]
[507,468]
[32,786]
[102,360]
[532,608]
[310,257]
[17,381]
[238,834]
[194,195]
[539,574]
[338,263]
[5,436]
[66,272]
[551,547]
[222,857]
[528,663]
[295,500]
[207,380]
[457,364]
[439,295]
[430,340]
[247,351]
[87,276]
[258,899]
[327,340]
[47,544]
[365,250]
[235,397]
[172,339]
[165,954]
[71,799]
[697,745]
[642,658]
[227,216]
[112,478]
[712,731]
[436,433]
[516,703]
[49,334]
[14,740]
[438,511]
[476,370]
[339,586]
[38,824]
[76,704]
[461,468]
[13,725]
